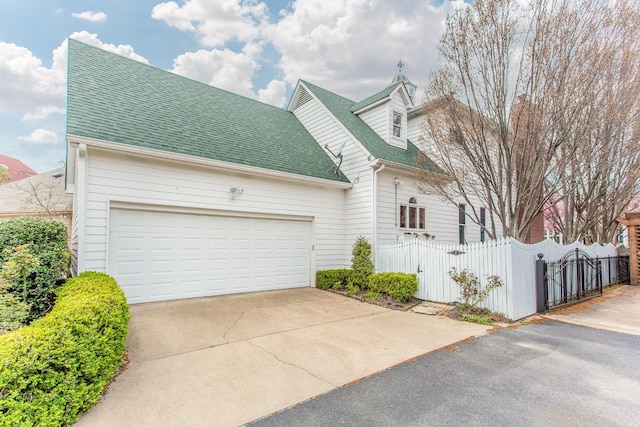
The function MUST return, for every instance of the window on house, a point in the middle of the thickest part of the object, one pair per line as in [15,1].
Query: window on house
[483,222]
[413,216]
[397,124]
[462,221]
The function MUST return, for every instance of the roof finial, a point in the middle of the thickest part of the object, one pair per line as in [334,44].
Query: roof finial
[400,66]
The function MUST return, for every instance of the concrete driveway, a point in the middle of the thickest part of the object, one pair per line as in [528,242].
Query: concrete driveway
[618,310]
[552,374]
[229,360]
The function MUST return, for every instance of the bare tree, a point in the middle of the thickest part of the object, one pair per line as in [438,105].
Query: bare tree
[47,196]
[603,161]
[517,92]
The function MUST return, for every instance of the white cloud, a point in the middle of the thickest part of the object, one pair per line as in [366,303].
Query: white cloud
[221,68]
[216,22]
[91,16]
[35,91]
[60,54]
[27,86]
[42,136]
[352,46]
[274,93]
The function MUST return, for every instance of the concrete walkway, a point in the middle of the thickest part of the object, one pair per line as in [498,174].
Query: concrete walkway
[619,311]
[228,360]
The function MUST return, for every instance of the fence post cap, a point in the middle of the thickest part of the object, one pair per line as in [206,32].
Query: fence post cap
[540,255]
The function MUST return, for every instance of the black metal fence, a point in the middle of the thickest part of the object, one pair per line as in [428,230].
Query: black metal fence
[575,277]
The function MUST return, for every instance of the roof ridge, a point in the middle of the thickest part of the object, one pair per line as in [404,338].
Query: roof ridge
[154,67]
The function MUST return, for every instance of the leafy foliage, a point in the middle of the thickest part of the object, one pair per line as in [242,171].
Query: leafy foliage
[14,310]
[34,282]
[472,294]
[57,367]
[399,286]
[352,289]
[334,279]
[361,262]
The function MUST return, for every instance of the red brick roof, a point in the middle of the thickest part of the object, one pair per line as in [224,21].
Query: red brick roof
[17,169]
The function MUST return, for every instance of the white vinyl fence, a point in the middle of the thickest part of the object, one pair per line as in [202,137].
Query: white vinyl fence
[513,261]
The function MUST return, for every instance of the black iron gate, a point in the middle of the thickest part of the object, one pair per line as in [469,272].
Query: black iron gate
[575,277]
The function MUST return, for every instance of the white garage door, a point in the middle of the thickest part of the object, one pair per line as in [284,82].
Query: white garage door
[158,256]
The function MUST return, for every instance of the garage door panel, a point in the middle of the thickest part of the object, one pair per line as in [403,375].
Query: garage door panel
[158,256]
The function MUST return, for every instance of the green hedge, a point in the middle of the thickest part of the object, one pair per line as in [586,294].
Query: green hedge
[399,286]
[326,279]
[57,367]
[47,241]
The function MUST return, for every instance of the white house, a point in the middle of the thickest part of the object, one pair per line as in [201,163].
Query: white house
[182,189]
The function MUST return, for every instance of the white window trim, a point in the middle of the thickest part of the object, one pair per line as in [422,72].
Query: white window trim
[407,207]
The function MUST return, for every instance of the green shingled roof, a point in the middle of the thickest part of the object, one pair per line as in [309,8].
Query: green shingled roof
[113,98]
[342,109]
[375,97]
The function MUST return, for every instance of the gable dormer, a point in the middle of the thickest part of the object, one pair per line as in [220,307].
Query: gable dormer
[386,111]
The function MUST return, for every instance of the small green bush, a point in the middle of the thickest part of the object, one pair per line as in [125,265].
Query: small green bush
[57,367]
[399,286]
[472,293]
[334,279]
[352,289]
[361,262]
[13,312]
[371,296]
[47,240]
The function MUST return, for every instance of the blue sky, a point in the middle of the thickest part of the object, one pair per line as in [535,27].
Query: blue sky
[255,48]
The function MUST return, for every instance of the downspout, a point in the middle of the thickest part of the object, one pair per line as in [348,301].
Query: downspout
[374,243]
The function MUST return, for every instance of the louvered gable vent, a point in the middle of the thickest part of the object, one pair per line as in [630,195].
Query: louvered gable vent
[303,98]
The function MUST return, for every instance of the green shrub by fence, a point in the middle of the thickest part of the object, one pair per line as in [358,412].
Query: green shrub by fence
[47,240]
[326,279]
[399,286]
[57,367]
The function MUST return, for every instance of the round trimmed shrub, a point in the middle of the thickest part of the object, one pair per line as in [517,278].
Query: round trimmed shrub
[57,367]
[326,279]
[399,286]
[47,240]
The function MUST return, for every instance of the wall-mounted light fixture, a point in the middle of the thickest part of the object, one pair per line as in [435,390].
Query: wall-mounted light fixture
[397,181]
[236,191]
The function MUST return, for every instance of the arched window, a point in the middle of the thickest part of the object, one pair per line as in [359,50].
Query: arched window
[412,216]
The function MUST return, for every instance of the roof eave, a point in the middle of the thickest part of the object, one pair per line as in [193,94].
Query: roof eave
[372,105]
[76,140]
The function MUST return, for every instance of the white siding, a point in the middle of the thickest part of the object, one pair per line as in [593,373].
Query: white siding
[378,119]
[441,215]
[114,177]
[357,215]
[414,128]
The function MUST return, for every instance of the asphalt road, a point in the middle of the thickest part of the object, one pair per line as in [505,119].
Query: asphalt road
[550,374]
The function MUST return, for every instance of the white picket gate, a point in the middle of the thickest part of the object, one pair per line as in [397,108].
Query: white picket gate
[508,258]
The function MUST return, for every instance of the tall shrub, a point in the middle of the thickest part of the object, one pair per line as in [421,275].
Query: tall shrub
[361,263]
[47,240]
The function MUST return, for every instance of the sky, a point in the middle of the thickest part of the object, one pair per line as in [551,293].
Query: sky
[254,48]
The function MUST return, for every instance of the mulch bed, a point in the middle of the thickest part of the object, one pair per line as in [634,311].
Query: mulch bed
[455,314]
[381,300]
